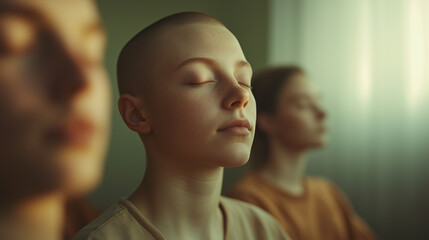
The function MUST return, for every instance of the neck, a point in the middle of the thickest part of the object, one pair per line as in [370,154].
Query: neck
[35,218]
[182,203]
[285,167]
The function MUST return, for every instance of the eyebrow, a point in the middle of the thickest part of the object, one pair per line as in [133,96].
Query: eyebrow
[305,96]
[34,16]
[210,62]
[22,11]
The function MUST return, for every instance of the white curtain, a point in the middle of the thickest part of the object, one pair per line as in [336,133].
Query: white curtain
[370,60]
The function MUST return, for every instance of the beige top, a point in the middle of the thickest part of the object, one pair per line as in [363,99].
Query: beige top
[124,221]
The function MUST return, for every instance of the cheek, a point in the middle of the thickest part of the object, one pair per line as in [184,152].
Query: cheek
[21,109]
[293,124]
[96,100]
[251,111]
[21,85]
[184,119]
[22,117]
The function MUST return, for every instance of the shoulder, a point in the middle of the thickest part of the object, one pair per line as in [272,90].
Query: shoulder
[248,188]
[322,184]
[117,222]
[249,220]
[242,209]
[248,179]
[319,181]
[328,190]
[114,214]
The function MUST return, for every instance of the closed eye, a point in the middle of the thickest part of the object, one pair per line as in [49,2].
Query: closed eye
[199,83]
[246,85]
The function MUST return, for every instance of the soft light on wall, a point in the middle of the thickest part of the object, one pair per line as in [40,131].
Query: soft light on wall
[418,53]
[371,61]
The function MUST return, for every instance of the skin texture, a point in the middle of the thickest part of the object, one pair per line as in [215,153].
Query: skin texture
[201,84]
[297,127]
[55,101]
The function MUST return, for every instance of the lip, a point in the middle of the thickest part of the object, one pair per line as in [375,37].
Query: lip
[75,131]
[239,127]
[322,129]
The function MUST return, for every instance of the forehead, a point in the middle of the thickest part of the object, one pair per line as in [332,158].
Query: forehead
[299,85]
[62,15]
[200,40]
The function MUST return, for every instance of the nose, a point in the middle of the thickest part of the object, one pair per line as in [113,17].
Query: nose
[237,96]
[320,112]
[67,75]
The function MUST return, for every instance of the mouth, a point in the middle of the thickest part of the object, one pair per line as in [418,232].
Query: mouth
[75,132]
[237,127]
[322,129]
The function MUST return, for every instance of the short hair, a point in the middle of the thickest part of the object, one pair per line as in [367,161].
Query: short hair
[130,71]
[266,87]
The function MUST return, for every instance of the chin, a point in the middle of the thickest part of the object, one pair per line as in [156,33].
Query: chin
[239,153]
[81,175]
[237,163]
[81,184]
[319,143]
[324,141]
[236,158]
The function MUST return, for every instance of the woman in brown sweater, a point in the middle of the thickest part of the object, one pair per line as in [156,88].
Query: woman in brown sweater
[290,123]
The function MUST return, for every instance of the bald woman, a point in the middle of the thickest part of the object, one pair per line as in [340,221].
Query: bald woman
[185,89]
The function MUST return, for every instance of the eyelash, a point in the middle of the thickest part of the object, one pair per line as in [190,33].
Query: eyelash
[246,85]
[198,83]
[195,84]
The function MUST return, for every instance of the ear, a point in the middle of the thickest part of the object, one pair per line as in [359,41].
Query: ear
[131,109]
[265,123]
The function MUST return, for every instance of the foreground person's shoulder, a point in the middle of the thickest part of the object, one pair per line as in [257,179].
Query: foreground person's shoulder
[246,221]
[120,221]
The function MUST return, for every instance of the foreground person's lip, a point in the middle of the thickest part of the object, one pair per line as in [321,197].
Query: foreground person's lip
[236,127]
[76,131]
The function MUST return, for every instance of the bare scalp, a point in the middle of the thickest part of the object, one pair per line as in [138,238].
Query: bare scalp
[135,63]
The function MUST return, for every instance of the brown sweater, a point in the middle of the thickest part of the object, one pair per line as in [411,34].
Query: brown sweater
[322,212]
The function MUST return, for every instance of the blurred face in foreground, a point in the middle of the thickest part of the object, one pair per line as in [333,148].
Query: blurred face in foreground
[54,97]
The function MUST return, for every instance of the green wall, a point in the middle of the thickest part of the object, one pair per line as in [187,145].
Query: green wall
[125,164]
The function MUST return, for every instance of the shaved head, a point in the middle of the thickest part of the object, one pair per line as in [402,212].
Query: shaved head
[181,80]
[136,67]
